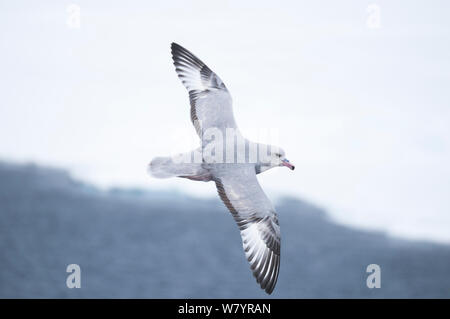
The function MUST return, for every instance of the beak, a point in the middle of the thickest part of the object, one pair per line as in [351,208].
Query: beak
[286,163]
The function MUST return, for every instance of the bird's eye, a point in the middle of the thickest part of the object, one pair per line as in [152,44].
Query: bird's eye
[278,154]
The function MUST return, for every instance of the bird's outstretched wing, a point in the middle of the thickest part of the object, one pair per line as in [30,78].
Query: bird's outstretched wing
[257,220]
[211,104]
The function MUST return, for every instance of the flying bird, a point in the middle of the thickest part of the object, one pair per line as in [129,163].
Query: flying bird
[235,179]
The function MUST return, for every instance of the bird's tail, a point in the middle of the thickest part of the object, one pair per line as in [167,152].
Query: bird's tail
[162,167]
[177,166]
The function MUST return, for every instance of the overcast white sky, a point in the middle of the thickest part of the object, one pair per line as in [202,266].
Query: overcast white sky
[363,112]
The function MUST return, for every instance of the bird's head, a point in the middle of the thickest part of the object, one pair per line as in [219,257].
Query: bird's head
[277,158]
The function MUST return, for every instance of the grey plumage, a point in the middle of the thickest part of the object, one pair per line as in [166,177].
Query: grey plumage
[237,185]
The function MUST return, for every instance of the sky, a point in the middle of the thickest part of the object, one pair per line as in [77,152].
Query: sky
[356,92]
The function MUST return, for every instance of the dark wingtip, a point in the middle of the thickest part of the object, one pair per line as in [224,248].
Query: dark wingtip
[174,47]
[269,291]
[177,50]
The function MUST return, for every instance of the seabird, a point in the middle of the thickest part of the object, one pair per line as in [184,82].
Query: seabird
[236,182]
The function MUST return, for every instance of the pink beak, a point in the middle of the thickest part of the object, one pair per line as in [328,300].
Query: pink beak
[286,163]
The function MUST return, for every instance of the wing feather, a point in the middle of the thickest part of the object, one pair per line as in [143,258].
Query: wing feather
[209,98]
[257,221]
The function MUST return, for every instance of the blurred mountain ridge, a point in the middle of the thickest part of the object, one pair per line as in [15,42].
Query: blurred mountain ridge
[134,243]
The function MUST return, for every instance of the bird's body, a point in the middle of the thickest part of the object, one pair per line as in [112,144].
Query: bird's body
[231,161]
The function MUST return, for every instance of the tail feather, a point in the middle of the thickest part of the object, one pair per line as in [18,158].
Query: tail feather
[162,167]
[165,167]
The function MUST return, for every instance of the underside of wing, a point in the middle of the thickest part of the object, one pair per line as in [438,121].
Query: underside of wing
[195,75]
[257,220]
[209,98]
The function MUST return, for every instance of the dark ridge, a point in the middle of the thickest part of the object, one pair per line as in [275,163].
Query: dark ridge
[143,244]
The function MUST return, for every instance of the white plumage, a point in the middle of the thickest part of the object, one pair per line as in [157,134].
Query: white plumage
[237,185]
